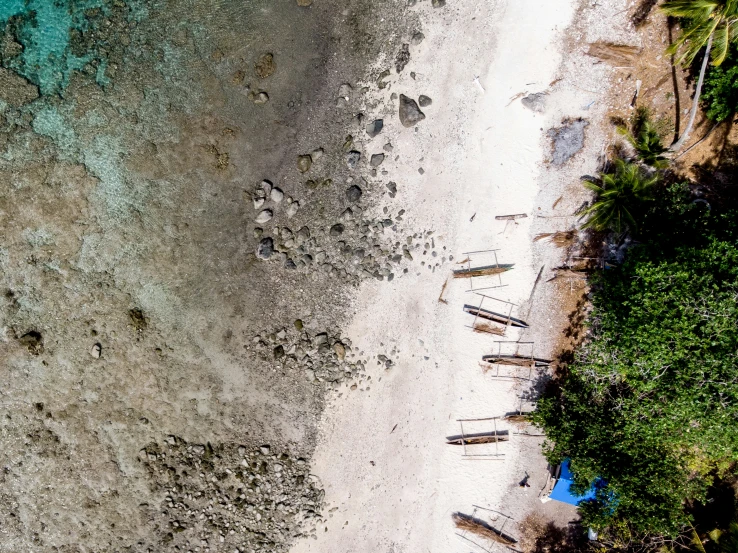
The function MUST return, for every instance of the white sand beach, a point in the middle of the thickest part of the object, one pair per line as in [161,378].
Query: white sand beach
[391,482]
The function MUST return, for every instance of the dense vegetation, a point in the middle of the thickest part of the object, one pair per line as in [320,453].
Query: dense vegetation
[650,404]
[646,407]
[720,95]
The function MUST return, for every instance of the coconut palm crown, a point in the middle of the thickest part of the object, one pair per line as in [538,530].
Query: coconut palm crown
[716,19]
[619,199]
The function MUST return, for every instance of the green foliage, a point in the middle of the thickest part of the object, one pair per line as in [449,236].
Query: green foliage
[650,403]
[621,196]
[646,140]
[703,19]
[720,95]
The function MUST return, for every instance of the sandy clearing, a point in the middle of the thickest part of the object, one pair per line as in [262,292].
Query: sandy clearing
[391,482]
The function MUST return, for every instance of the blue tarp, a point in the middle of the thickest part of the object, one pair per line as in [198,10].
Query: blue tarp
[561,491]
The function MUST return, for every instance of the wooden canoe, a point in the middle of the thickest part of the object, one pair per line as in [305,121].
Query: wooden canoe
[492,316]
[473,439]
[515,361]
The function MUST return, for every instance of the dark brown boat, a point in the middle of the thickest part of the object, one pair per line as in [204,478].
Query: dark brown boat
[473,439]
[492,316]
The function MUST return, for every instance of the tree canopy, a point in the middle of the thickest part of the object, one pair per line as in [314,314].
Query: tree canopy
[651,402]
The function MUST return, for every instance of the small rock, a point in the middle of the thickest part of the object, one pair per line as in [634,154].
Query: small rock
[424,101]
[304,3]
[317,154]
[353,193]
[292,209]
[258,202]
[303,234]
[340,350]
[535,102]
[264,216]
[266,186]
[344,91]
[265,449]
[392,187]
[346,215]
[265,249]
[387,147]
[289,264]
[299,325]
[337,229]
[304,163]
[376,160]
[403,58]
[198,449]
[261,98]
[279,352]
[276,195]
[417,38]
[265,66]
[96,351]
[438,3]
[410,113]
[375,127]
[352,158]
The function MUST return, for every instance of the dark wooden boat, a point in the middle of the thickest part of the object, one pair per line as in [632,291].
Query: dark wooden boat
[487,270]
[492,316]
[516,361]
[474,439]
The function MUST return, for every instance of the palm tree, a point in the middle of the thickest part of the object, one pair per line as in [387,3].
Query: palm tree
[646,140]
[619,196]
[708,22]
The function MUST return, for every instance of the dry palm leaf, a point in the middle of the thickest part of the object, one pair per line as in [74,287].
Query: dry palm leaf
[480,528]
[619,54]
[489,329]
[561,239]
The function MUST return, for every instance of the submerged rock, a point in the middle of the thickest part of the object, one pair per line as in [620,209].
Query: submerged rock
[304,163]
[265,66]
[410,113]
[15,90]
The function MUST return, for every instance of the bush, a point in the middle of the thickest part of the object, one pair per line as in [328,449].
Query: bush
[720,89]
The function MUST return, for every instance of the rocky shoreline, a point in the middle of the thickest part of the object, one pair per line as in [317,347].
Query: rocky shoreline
[188,208]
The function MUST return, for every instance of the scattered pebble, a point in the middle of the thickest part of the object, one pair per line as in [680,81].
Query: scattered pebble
[424,100]
[276,195]
[353,193]
[375,127]
[352,158]
[376,160]
[303,163]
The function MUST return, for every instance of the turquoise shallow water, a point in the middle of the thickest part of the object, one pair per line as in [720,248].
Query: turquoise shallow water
[44,28]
